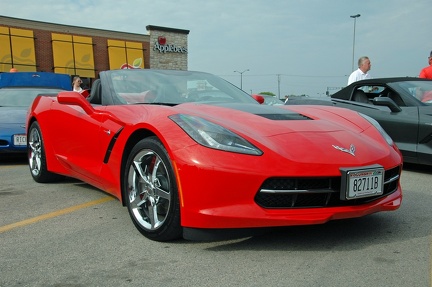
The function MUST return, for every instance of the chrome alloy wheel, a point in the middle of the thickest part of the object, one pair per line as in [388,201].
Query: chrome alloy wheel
[149,190]
[35,151]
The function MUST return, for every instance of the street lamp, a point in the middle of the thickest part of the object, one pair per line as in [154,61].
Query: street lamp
[241,77]
[355,18]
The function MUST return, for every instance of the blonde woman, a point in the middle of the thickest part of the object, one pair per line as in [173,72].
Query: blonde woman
[76,86]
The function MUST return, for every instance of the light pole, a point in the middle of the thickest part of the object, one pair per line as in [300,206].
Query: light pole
[355,18]
[241,77]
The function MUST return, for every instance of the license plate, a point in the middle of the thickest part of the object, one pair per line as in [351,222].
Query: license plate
[365,182]
[20,140]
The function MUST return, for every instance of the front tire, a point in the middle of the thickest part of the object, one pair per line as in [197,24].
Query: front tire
[36,156]
[151,192]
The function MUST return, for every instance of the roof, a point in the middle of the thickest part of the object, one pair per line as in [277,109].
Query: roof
[68,29]
[167,29]
[389,80]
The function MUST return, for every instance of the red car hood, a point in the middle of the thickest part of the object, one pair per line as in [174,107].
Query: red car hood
[317,134]
[271,121]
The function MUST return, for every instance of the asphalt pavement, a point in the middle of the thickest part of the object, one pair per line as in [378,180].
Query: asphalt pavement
[71,234]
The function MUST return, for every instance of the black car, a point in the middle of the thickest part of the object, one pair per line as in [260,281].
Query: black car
[403,107]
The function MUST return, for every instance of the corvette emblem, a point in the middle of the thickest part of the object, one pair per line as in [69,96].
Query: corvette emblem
[351,150]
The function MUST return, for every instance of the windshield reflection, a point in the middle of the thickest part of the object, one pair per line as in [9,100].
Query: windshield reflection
[174,87]
[421,90]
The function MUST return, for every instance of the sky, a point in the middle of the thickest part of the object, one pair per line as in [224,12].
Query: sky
[287,47]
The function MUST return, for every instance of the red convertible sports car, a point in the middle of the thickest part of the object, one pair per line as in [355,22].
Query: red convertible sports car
[191,155]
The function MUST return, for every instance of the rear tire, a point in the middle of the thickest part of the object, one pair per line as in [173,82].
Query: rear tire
[36,157]
[151,192]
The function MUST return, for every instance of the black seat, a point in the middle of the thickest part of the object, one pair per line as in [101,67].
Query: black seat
[95,93]
[361,97]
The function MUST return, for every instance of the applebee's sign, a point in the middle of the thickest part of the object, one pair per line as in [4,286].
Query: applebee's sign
[162,47]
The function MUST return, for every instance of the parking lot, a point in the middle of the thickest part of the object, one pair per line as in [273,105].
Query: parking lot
[71,234]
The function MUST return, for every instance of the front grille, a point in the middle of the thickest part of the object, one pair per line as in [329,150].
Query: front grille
[315,192]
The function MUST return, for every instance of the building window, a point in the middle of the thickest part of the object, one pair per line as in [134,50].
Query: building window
[17,50]
[73,55]
[125,55]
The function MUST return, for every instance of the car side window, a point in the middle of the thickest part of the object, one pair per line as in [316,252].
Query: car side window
[360,96]
[366,94]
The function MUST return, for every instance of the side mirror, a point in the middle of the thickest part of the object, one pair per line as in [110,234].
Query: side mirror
[384,101]
[75,98]
[258,98]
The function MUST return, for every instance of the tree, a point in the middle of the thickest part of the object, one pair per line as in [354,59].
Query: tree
[268,93]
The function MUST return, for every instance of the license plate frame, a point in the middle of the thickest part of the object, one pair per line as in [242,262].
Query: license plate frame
[362,182]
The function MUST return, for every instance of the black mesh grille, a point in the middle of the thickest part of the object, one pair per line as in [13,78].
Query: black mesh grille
[315,192]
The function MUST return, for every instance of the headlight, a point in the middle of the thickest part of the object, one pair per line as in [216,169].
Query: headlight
[214,136]
[385,135]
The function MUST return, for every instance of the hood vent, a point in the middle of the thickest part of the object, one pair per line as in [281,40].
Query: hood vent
[266,111]
[284,117]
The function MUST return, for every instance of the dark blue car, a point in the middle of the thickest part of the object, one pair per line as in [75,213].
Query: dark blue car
[17,92]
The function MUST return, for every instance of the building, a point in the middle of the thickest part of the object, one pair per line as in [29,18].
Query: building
[46,47]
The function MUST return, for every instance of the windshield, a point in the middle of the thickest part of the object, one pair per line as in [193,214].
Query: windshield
[421,90]
[21,97]
[173,87]
[272,100]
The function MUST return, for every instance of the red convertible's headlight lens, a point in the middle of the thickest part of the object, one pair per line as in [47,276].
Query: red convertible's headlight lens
[214,136]
[385,135]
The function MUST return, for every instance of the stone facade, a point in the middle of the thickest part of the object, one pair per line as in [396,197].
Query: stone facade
[168,48]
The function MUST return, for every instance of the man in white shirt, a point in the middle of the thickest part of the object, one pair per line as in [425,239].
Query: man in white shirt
[364,65]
